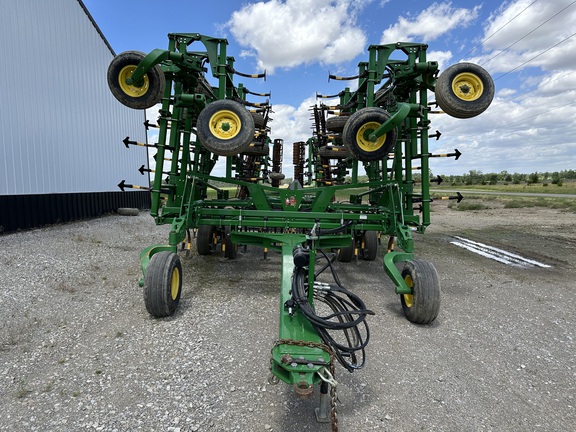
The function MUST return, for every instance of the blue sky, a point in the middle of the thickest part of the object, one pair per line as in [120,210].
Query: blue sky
[528,46]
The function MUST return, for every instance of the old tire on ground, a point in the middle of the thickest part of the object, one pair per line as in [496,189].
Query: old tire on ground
[346,254]
[204,239]
[359,126]
[370,249]
[423,305]
[464,90]
[128,211]
[163,284]
[336,124]
[225,127]
[141,95]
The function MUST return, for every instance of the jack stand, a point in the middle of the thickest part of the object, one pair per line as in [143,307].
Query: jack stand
[322,412]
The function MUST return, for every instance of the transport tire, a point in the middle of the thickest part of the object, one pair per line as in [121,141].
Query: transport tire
[204,239]
[230,249]
[423,305]
[346,254]
[370,249]
[163,284]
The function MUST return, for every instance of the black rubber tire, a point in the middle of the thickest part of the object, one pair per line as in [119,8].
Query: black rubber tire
[475,90]
[423,305]
[128,211]
[277,176]
[163,284]
[370,249]
[136,97]
[336,124]
[257,149]
[346,254]
[213,119]
[204,236]
[334,152]
[360,120]
[259,120]
[230,249]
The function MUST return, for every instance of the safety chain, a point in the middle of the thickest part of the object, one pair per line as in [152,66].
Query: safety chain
[326,348]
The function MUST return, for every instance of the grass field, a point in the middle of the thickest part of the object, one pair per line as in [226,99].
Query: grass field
[478,201]
[565,188]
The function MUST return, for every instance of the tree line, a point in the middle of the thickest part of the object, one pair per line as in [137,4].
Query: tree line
[474,177]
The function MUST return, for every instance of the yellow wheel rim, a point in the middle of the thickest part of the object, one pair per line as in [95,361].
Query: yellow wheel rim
[409,298]
[175,284]
[132,90]
[364,142]
[225,125]
[467,86]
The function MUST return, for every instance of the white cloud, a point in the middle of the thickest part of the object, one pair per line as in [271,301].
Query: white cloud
[518,36]
[442,57]
[523,133]
[295,32]
[505,92]
[433,22]
[529,126]
[292,124]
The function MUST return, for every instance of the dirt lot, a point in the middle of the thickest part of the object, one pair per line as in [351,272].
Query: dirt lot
[78,350]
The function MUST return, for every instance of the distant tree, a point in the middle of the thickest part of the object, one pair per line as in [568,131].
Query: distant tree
[517,178]
[505,176]
[533,178]
[475,177]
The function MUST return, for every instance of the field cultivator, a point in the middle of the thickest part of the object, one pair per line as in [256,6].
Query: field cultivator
[382,127]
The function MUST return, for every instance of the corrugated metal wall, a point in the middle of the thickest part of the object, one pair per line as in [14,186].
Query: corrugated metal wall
[61,130]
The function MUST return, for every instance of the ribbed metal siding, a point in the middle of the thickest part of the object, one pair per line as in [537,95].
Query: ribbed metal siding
[61,130]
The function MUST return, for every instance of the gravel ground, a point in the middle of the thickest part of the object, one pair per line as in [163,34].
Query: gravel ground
[78,350]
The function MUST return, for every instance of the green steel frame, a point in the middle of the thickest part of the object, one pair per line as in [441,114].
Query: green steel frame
[284,218]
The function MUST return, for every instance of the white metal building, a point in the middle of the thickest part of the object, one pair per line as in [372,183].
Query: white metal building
[61,130]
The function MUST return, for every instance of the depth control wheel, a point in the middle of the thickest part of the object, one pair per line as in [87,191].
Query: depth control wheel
[225,127]
[358,129]
[163,284]
[143,94]
[423,305]
[464,90]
